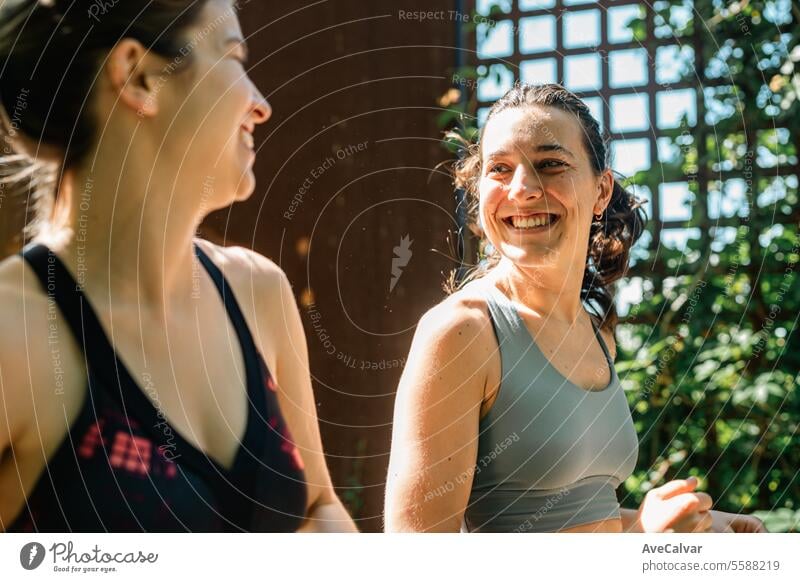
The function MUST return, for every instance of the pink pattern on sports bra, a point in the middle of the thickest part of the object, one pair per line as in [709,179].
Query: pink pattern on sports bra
[131,453]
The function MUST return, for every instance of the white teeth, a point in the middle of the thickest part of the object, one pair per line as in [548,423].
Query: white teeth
[531,221]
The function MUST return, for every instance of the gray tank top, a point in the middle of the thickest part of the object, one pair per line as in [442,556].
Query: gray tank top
[550,454]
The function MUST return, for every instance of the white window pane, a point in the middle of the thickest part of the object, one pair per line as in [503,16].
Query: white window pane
[777,190]
[484,6]
[720,103]
[774,141]
[496,41]
[582,72]
[495,85]
[778,11]
[672,62]
[668,152]
[578,2]
[643,193]
[536,4]
[538,72]
[629,113]
[722,237]
[595,105]
[629,292]
[581,29]
[677,238]
[537,34]
[629,156]
[678,17]
[618,19]
[732,201]
[673,106]
[675,201]
[639,251]
[628,68]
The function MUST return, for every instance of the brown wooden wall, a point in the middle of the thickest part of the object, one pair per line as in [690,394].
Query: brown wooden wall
[345,170]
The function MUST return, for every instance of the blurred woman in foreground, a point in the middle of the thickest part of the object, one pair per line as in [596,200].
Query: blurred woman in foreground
[154,381]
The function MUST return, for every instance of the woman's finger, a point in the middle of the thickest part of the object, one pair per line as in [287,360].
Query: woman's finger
[706,502]
[675,487]
[695,522]
[686,503]
[705,522]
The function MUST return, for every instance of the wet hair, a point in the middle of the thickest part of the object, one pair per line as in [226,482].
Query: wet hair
[610,237]
[51,52]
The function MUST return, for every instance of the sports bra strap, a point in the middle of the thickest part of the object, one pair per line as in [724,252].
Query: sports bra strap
[512,335]
[231,305]
[101,358]
[73,305]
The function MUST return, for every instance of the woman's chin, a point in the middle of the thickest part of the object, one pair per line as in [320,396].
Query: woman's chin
[246,186]
[528,256]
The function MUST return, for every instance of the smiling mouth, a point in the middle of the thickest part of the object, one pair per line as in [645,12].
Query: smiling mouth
[247,138]
[532,222]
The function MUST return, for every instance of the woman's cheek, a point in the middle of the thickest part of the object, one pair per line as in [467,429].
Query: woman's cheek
[486,209]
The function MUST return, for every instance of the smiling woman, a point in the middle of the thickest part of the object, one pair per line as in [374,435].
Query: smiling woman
[510,416]
[163,381]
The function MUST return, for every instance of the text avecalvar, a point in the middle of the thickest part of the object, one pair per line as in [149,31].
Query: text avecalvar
[671,549]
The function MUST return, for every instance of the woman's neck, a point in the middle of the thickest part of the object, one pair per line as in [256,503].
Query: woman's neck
[547,291]
[129,243]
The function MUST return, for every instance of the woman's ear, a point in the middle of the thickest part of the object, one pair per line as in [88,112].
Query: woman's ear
[605,188]
[131,72]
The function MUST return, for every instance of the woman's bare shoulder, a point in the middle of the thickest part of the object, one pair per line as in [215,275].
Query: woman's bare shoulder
[460,321]
[38,355]
[23,301]
[260,285]
[263,292]
[245,265]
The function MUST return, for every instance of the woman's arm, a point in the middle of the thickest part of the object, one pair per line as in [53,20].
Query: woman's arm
[296,396]
[630,520]
[26,378]
[280,331]
[435,431]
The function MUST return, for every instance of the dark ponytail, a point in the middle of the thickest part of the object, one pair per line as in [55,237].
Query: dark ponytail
[51,52]
[610,237]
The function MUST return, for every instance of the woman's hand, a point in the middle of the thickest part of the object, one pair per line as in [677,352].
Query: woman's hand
[724,522]
[675,507]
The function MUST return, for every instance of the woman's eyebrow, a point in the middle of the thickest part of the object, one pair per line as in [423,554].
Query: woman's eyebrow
[553,147]
[549,147]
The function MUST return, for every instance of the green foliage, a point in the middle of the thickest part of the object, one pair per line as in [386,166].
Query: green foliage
[710,356]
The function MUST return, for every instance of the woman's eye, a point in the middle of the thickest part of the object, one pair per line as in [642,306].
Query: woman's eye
[497,168]
[552,164]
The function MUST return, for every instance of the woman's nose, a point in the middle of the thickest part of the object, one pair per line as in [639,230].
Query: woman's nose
[524,183]
[262,110]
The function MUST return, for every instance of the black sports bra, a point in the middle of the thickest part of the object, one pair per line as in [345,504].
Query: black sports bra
[123,468]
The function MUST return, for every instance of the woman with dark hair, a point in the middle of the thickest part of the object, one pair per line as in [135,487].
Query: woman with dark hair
[158,382]
[510,416]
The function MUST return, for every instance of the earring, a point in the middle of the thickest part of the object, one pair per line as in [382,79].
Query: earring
[597,217]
